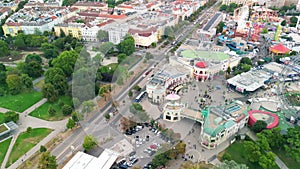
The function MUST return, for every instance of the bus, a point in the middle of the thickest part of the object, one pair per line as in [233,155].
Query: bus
[140,97]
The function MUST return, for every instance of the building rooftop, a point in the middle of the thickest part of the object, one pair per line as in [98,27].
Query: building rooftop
[217,119]
[250,81]
[206,55]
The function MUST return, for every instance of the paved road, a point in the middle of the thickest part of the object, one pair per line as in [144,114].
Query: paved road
[76,139]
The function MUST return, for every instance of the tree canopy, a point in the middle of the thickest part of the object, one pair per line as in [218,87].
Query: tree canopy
[47,161]
[127,46]
[66,61]
[5,51]
[89,142]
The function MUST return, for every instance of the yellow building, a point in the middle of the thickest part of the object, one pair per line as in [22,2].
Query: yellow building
[12,28]
[73,29]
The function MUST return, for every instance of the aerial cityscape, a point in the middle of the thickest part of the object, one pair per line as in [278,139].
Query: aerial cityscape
[150,84]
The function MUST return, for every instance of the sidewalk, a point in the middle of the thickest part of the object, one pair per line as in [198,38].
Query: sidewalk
[36,105]
[3,110]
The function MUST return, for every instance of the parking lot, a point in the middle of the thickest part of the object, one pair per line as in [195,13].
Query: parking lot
[146,141]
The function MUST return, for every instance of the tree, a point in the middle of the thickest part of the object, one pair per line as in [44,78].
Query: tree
[66,61]
[265,31]
[29,129]
[230,165]
[11,116]
[67,110]
[2,67]
[226,156]
[259,126]
[49,92]
[34,69]
[283,23]
[14,84]
[127,46]
[121,57]
[51,111]
[274,137]
[292,143]
[220,27]
[47,161]
[107,116]
[26,81]
[70,124]
[5,51]
[267,161]
[87,106]
[19,42]
[228,70]
[50,50]
[130,93]
[246,60]
[223,7]
[89,142]
[75,116]
[102,35]
[57,78]
[169,33]
[43,149]
[293,19]
[33,57]
[137,88]
[106,48]
[252,151]
[148,56]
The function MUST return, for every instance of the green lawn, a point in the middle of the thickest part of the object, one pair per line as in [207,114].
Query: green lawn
[20,102]
[25,142]
[42,111]
[1,118]
[289,162]
[204,54]
[236,150]
[3,147]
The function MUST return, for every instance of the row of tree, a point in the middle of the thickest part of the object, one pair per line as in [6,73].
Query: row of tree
[228,8]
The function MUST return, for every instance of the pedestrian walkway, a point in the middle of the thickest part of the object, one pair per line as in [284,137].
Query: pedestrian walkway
[36,105]
[3,110]
[26,121]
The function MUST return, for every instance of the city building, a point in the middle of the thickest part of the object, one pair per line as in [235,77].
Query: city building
[249,82]
[169,79]
[4,12]
[32,19]
[290,2]
[242,2]
[172,110]
[142,36]
[209,28]
[222,123]
[85,161]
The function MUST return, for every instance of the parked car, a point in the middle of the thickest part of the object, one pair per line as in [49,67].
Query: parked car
[132,153]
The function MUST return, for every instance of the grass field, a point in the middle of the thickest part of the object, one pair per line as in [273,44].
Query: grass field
[1,118]
[20,102]
[236,151]
[288,161]
[205,55]
[25,142]
[42,111]
[4,147]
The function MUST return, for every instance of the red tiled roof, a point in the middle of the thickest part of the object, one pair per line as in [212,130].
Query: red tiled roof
[145,33]
[53,17]
[122,16]
[13,24]
[279,48]
[201,65]
[90,4]
[125,6]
